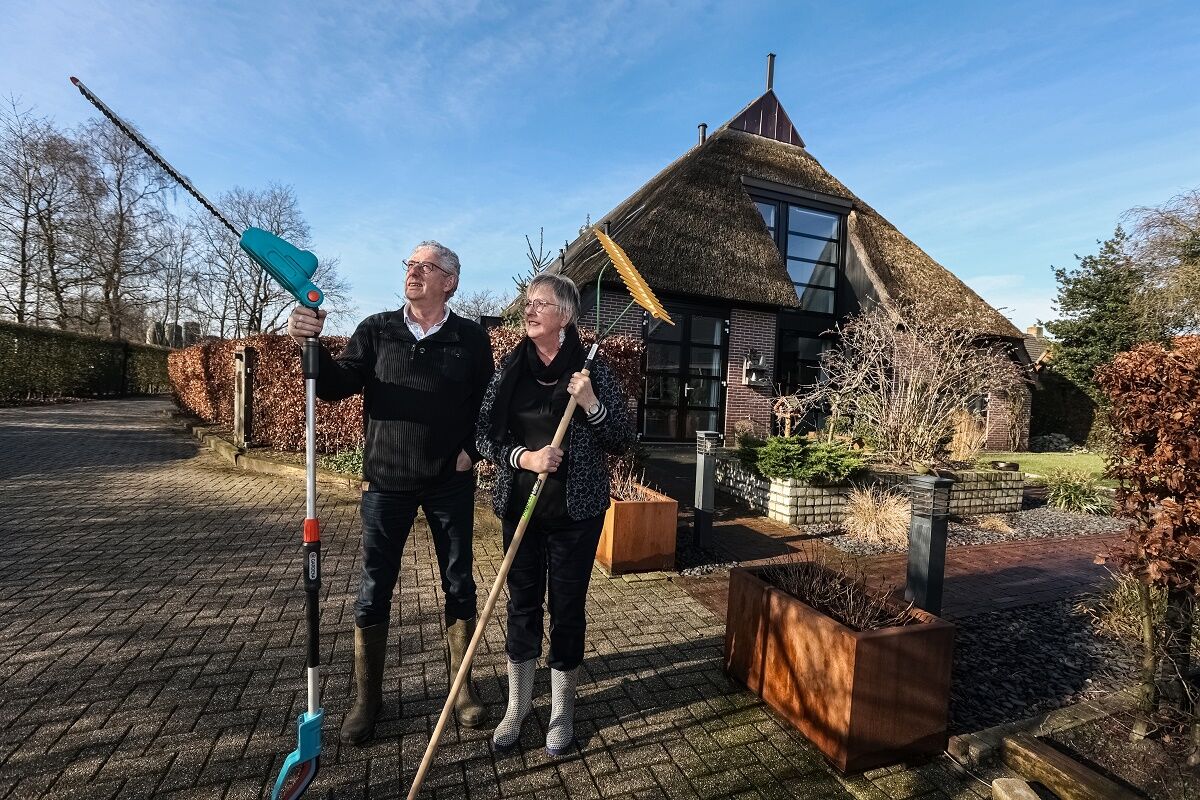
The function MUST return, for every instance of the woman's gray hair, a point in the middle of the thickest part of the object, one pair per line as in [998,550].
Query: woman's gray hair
[566,293]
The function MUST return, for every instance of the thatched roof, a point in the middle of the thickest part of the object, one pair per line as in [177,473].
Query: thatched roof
[693,230]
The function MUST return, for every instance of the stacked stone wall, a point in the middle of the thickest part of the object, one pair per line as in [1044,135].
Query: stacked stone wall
[792,502]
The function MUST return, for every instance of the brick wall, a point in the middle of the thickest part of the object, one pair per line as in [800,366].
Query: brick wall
[612,303]
[1000,410]
[748,329]
[795,503]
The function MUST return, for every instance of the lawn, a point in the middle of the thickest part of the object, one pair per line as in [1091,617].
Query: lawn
[1038,464]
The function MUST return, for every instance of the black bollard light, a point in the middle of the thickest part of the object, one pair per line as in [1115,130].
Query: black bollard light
[927,541]
[706,468]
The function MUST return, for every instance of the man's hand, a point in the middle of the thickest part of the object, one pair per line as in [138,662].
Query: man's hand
[305,322]
[545,460]
[464,461]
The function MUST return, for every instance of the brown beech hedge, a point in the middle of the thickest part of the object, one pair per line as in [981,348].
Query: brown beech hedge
[1154,396]
[202,379]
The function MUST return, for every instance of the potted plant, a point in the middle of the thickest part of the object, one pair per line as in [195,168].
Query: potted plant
[639,527]
[865,680]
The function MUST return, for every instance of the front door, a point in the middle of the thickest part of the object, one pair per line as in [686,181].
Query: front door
[684,388]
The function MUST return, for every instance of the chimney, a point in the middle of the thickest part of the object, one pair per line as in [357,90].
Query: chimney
[1035,330]
[703,131]
[770,71]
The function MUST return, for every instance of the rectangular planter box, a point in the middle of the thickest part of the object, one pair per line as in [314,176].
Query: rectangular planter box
[638,536]
[865,699]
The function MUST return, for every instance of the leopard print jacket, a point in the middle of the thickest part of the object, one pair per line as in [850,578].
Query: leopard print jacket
[606,431]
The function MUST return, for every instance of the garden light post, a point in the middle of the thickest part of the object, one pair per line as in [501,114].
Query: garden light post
[244,359]
[706,467]
[927,541]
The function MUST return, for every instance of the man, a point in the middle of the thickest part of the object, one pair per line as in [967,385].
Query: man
[422,371]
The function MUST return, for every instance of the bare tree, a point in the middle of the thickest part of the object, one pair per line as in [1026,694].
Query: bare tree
[903,376]
[65,175]
[481,303]
[172,285]
[21,136]
[1166,250]
[121,233]
[232,290]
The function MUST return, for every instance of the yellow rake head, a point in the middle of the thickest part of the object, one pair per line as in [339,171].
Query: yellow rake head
[634,282]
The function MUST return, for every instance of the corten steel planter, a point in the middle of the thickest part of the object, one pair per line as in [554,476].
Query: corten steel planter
[865,699]
[638,535]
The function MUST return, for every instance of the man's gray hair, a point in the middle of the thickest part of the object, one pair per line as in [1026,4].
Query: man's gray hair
[448,257]
[566,293]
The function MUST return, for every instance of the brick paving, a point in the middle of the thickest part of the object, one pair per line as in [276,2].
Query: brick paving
[151,645]
[978,578]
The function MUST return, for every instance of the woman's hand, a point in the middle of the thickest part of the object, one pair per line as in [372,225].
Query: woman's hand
[545,460]
[580,388]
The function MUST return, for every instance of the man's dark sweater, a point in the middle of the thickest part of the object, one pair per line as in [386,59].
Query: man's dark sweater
[420,398]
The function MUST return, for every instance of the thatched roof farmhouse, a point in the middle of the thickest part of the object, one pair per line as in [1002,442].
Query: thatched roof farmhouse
[757,251]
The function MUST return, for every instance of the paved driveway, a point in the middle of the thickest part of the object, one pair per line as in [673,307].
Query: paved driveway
[151,644]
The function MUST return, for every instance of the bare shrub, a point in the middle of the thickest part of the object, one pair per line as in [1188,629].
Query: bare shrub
[1117,613]
[877,515]
[628,483]
[838,589]
[970,434]
[903,374]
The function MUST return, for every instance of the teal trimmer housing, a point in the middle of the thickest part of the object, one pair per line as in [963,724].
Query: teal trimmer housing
[284,262]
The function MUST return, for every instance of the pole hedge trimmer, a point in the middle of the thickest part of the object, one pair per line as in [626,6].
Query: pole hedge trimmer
[642,296]
[293,268]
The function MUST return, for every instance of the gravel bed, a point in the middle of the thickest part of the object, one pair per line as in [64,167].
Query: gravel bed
[694,561]
[1032,523]
[1013,664]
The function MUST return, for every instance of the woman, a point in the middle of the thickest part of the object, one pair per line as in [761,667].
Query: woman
[520,413]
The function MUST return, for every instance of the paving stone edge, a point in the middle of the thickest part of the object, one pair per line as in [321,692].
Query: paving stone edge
[234,455]
[983,747]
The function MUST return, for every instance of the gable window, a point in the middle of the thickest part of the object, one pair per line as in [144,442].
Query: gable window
[810,240]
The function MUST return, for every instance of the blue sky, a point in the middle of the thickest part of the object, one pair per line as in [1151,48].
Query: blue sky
[1000,137]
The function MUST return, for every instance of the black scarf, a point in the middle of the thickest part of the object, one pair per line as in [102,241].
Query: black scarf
[524,364]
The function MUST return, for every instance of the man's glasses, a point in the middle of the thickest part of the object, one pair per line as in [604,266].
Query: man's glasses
[537,306]
[423,267]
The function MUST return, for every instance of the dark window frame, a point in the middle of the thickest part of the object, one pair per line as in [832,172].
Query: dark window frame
[688,308]
[762,192]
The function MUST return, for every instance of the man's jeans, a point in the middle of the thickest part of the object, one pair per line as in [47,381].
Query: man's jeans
[555,554]
[387,517]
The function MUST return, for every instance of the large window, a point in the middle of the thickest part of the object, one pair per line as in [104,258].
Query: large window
[810,240]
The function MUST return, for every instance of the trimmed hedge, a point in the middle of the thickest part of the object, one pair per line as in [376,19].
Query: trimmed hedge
[202,379]
[46,364]
[623,354]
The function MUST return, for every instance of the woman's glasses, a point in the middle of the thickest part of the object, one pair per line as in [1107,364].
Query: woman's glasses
[537,306]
